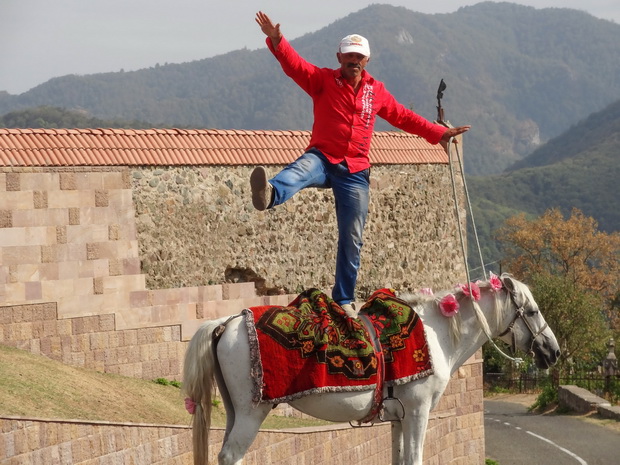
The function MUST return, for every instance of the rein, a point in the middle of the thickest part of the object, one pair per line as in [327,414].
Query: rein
[516,360]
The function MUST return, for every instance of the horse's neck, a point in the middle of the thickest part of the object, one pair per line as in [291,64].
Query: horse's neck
[472,335]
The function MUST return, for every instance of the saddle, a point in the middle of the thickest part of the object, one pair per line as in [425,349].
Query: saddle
[311,346]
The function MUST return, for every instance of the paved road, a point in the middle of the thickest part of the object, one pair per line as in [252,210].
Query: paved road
[516,437]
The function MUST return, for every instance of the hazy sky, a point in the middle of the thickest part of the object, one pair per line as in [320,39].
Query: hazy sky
[42,39]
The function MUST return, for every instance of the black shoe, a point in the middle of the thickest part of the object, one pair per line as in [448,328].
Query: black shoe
[261,189]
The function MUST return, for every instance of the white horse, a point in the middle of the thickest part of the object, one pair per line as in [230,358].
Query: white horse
[509,312]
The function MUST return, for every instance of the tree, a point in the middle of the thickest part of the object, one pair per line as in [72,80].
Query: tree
[577,320]
[571,248]
[573,270]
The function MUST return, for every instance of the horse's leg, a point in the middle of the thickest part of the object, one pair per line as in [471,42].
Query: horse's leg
[225,395]
[414,431]
[419,398]
[243,419]
[397,443]
[243,432]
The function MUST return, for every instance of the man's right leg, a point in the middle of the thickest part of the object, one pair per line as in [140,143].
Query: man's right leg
[307,171]
[352,195]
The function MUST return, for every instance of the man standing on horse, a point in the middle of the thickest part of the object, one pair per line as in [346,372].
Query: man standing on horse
[346,102]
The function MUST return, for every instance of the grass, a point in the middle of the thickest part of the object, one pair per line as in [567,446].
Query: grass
[35,386]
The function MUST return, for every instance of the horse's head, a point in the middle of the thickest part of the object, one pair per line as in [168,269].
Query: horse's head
[526,328]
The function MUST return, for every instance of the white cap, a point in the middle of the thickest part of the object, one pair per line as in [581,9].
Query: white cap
[355,43]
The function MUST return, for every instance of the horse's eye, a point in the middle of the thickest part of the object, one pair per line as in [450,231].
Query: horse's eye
[532,312]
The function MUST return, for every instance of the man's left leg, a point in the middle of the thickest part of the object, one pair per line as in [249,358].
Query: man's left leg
[307,171]
[352,193]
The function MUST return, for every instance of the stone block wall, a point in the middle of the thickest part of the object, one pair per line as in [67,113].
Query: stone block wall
[328,445]
[93,342]
[35,441]
[69,237]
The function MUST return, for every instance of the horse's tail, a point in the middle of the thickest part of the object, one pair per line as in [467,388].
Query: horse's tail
[199,387]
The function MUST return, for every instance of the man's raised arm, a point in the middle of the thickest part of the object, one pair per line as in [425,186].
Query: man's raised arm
[271,31]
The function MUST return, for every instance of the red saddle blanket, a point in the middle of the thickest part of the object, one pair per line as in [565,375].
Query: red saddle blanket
[312,346]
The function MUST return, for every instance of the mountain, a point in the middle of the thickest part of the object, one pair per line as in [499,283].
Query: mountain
[520,76]
[579,169]
[53,118]
[600,132]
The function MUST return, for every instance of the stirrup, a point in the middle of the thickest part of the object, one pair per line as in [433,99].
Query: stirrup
[360,424]
[398,417]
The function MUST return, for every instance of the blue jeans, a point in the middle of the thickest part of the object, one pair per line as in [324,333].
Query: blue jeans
[351,193]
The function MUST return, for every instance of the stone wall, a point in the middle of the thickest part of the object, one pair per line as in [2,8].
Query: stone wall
[69,237]
[90,239]
[93,342]
[582,401]
[41,441]
[197,226]
[35,441]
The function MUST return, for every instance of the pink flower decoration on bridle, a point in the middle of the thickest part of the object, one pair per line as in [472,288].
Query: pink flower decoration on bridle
[449,306]
[190,406]
[495,282]
[471,288]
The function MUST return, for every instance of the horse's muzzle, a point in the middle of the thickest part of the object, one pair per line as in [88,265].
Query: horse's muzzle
[546,351]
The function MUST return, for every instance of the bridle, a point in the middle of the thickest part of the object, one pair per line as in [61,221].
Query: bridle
[520,314]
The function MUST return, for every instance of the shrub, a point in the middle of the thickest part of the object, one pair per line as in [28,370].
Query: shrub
[165,382]
[548,396]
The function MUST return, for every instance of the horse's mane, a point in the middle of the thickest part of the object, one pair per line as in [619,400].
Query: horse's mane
[424,301]
[415,299]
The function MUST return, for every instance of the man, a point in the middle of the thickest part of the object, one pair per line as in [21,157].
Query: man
[346,102]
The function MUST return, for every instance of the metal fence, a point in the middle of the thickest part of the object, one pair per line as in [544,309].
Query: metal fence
[523,383]
[608,387]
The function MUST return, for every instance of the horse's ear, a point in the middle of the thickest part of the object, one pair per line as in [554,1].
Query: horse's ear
[509,284]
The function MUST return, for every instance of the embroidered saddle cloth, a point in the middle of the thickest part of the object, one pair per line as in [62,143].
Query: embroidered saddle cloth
[312,346]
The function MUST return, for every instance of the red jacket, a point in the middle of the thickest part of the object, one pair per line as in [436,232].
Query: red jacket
[344,120]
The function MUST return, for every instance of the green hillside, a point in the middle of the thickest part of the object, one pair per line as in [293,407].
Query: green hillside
[579,169]
[520,76]
[54,118]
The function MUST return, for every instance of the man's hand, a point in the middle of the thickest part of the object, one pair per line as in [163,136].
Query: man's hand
[271,31]
[453,132]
